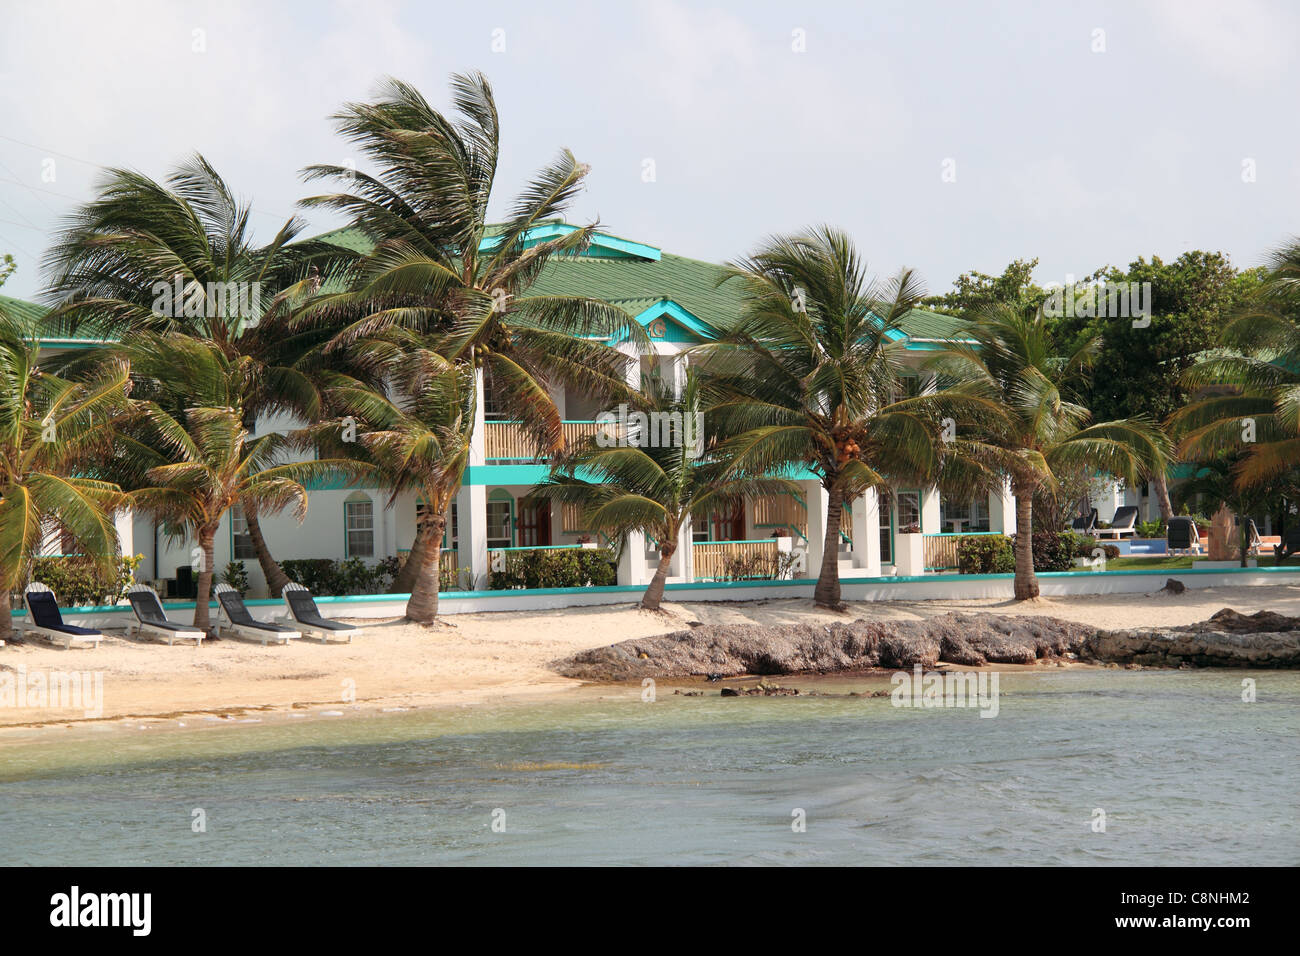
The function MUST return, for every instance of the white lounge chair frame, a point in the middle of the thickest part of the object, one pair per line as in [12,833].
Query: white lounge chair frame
[53,637]
[307,629]
[224,623]
[141,628]
[1118,531]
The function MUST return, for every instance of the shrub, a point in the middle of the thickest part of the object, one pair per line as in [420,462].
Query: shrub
[1151,529]
[325,576]
[1085,546]
[985,554]
[77,581]
[236,575]
[757,566]
[555,568]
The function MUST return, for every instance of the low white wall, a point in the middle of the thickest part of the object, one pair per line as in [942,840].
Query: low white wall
[925,588]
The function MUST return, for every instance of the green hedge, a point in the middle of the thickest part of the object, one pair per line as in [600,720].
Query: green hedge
[327,577]
[555,568]
[77,582]
[1053,551]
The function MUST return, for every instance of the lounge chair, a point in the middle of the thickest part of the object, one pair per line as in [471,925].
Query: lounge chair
[1124,522]
[239,621]
[1085,524]
[1289,545]
[304,613]
[1182,536]
[151,619]
[44,619]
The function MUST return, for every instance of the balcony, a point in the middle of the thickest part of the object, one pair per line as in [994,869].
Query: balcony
[507,441]
[737,560]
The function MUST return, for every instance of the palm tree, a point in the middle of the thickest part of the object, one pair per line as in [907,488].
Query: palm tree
[417,440]
[51,432]
[188,455]
[1250,401]
[180,258]
[437,267]
[810,376]
[1021,424]
[654,486]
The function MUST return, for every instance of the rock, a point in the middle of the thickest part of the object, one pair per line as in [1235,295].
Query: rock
[1174,587]
[1228,639]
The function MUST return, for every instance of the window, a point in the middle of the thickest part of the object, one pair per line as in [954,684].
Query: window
[972,515]
[909,509]
[718,527]
[500,511]
[359,527]
[241,542]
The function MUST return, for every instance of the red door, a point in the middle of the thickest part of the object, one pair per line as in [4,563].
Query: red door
[534,523]
[729,527]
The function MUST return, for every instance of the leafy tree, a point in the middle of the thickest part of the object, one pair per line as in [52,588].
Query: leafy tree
[976,291]
[1138,369]
[1024,424]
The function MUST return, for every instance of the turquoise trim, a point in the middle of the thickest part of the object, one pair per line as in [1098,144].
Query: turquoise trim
[527,474]
[598,241]
[680,316]
[705,585]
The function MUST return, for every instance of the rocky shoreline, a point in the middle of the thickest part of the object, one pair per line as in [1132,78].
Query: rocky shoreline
[1227,639]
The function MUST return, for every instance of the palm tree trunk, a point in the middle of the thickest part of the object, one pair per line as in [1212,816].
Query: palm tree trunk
[1160,488]
[7,624]
[654,594]
[1026,583]
[423,604]
[204,594]
[404,583]
[827,592]
[276,579]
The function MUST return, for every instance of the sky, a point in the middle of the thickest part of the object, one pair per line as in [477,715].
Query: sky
[943,136]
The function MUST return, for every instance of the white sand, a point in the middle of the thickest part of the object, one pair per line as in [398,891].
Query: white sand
[479,657]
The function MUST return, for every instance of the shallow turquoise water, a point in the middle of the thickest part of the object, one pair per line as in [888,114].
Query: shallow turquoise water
[1185,771]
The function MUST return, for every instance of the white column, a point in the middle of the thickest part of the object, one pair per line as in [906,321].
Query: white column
[471,519]
[632,563]
[866,532]
[930,511]
[124,523]
[477,455]
[1002,510]
[818,501]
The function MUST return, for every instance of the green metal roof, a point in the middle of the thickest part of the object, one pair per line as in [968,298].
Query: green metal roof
[32,314]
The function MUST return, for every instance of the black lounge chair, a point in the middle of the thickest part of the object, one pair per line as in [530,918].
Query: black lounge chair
[151,619]
[239,621]
[1182,535]
[303,611]
[1085,524]
[1290,545]
[46,620]
[1124,522]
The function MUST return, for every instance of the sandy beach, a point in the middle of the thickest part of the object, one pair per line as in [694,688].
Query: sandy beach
[482,657]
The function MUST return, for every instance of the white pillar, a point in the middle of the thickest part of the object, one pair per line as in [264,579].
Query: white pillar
[1002,510]
[818,500]
[866,532]
[124,523]
[632,564]
[477,455]
[471,521]
[930,511]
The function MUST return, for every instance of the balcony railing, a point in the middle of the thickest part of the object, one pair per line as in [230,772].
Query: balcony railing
[940,550]
[507,441]
[710,557]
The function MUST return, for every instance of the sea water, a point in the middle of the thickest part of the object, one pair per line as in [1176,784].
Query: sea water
[1078,767]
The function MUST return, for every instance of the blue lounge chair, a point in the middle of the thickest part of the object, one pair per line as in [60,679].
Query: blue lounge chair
[45,619]
[152,619]
[304,613]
